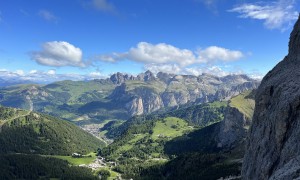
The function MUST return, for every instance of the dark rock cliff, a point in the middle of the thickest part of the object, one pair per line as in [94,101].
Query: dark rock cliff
[273,146]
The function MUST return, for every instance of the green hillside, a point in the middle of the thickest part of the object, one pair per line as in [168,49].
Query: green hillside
[30,132]
[21,166]
[244,103]
[140,141]
[200,115]
[142,145]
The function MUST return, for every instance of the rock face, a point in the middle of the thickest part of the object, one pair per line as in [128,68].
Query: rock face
[273,148]
[232,128]
[169,90]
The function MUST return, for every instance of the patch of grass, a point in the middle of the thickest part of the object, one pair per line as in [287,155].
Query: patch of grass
[77,88]
[169,127]
[156,86]
[243,104]
[137,137]
[87,159]
[218,104]
[113,174]
[125,147]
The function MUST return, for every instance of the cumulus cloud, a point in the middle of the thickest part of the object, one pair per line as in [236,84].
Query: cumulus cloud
[57,54]
[20,72]
[167,68]
[276,15]
[95,75]
[51,72]
[160,53]
[104,6]
[219,71]
[214,53]
[163,53]
[214,70]
[47,15]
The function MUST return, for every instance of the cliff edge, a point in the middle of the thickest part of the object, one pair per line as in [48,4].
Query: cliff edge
[273,145]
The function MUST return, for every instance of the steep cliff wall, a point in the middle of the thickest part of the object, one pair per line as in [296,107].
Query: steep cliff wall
[232,128]
[273,146]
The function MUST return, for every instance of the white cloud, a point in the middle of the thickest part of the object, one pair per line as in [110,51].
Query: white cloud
[95,75]
[167,68]
[49,76]
[219,71]
[214,70]
[57,54]
[104,6]
[33,71]
[113,57]
[20,72]
[276,15]
[47,15]
[214,53]
[51,72]
[162,53]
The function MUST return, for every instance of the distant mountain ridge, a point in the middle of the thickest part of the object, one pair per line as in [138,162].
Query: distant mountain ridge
[146,92]
[122,96]
[12,82]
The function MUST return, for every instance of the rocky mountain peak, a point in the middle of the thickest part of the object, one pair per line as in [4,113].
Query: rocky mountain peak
[149,76]
[119,78]
[294,45]
[273,148]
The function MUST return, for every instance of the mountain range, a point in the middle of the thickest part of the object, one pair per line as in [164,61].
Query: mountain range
[122,96]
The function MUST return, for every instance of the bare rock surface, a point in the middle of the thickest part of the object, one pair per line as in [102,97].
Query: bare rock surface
[273,146]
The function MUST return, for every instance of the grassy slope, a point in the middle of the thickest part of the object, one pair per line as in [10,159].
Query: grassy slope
[147,136]
[156,86]
[169,127]
[42,134]
[87,159]
[198,115]
[77,89]
[244,104]
[21,166]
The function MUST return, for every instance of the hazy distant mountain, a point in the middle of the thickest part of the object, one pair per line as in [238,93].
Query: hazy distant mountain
[11,82]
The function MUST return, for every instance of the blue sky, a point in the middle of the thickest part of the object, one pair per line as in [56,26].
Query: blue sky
[84,39]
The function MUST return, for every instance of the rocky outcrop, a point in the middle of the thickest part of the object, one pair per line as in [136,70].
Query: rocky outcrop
[233,128]
[135,106]
[120,78]
[273,148]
